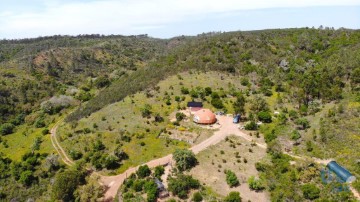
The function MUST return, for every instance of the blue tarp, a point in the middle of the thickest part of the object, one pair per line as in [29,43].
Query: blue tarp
[236,118]
[341,172]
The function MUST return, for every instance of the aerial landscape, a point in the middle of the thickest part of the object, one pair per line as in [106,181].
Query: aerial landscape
[269,114]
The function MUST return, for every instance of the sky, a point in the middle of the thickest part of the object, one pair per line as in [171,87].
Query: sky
[169,18]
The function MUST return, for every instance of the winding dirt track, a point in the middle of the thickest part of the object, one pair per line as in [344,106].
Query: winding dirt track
[57,145]
[113,183]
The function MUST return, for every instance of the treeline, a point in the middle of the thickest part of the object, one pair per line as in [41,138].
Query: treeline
[309,64]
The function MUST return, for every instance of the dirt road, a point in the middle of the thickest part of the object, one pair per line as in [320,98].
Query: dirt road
[58,147]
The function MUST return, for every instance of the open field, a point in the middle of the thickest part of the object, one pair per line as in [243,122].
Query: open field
[22,141]
[125,118]
[222,156]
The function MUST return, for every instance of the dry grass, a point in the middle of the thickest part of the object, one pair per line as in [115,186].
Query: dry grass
[212,164]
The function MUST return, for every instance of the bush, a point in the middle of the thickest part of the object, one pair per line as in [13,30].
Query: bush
[185,159]
[197,197]
[146,110]
[118,152]
[261,167]
[180,116]
[45,131]
[293,114]
[159,171]
[303,122]
[39,123]
[270,136]
[251,126]
[208,91]
[194,93]
[181,185]
[295,135]
[244,81]
[137,185]
[75,154]
[6,128]
[184,90]
[26,178]
[310,191]
[233,196]
[143,171]
[150,188]
[217,103]
[231,179]
[255,184]
[264,117]
[102,82]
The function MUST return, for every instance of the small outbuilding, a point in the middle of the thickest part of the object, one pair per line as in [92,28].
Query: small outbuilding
[195,106]
[204,116]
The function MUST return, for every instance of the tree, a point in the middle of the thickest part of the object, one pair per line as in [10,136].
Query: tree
[185,159]
[239,104]
[66,183]
[143,171]
[255,184]
[6,128]
[264,117]
[150,188]
[110,162]
[231,178]
[233,196]
[310,191]
[259,104]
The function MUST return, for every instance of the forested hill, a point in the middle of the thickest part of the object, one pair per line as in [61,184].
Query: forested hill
[33,70]
[308,63]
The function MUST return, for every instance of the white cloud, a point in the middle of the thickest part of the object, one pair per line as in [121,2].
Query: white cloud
[129,16]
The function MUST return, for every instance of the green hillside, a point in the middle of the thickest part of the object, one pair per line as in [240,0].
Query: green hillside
[120,97]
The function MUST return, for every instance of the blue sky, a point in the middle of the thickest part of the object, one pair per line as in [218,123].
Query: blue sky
[169,18]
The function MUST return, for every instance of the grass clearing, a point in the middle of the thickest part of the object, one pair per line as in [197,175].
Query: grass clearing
[218,158]
[125,118]
[22,140]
